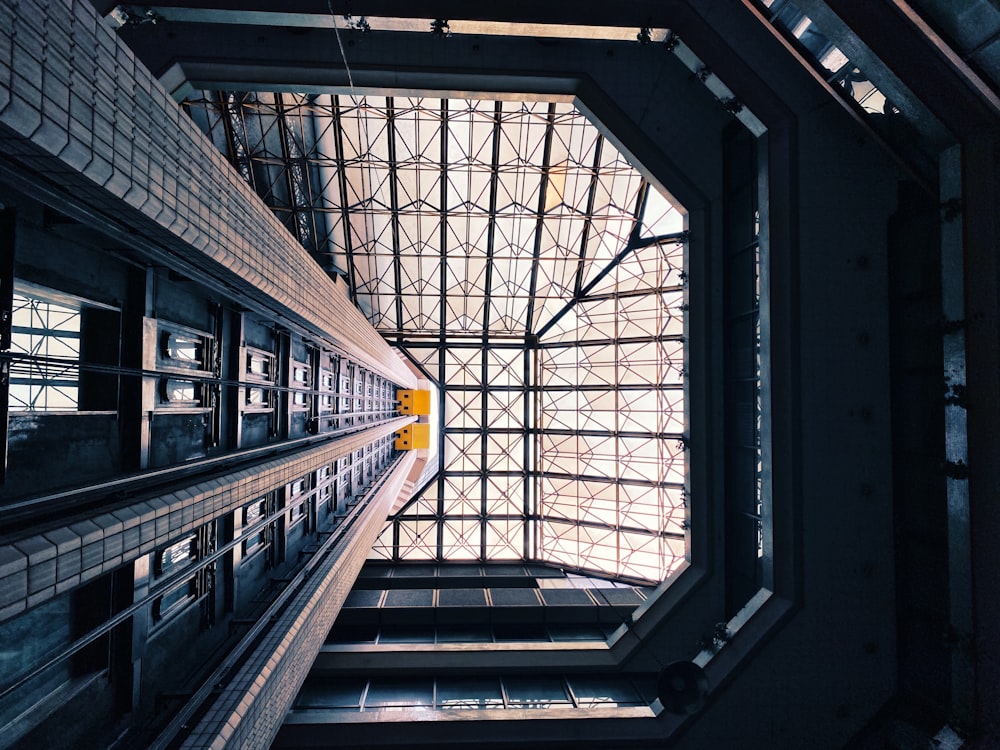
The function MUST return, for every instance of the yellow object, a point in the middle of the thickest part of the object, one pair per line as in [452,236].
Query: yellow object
[414,402]
[413,436]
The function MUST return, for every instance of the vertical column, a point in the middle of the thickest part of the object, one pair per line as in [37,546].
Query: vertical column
[7,237]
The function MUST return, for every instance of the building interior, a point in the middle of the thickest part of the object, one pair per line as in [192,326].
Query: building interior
[440,374]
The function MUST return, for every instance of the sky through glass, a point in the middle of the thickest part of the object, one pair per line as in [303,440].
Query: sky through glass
[534,275]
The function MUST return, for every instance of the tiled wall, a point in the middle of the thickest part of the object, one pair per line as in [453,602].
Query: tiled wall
[38,567]
[253,704]
[77,109]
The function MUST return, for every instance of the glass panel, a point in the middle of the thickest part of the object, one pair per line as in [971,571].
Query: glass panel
[330,693]
[184,348]
[385,693]
[176,556]
[468,692]
[604,690]
[535,692]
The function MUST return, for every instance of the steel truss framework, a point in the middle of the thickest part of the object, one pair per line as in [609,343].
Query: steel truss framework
[534,276]
[46,335]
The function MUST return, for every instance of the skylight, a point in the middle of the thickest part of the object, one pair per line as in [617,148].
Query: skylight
[514,254]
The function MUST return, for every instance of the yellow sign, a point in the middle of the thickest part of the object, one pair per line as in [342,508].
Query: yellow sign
[414,402]
[413,436]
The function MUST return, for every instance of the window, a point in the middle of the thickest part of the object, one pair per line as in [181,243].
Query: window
[177,393]
[298,503]
[182,348]
[253,514]
[45,344]
[175,600]
[389,694]
[176,557]
[260,399]
[474,693]
[297,514]
[301,382]
[469,693]
[166,562]
[260,365]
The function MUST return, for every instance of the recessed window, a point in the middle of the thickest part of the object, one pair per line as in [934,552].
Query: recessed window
[176,556]
[469,693]
[183,349]
[260,398]
[45,344]
[168,561]
[260,365]
[180,393]
[253,514]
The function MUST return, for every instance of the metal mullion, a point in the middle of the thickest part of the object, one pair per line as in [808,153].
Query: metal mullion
[606,342]
[612,434]
[431,340]
[631,245]
[617,439]
[451,474]
[542,191]
[589,220]
[492,222]
[632,293]
[487,287]
[227,131]
[443,308]
[483,439]
[498,389]
[609,480]
[342,185]
[480,430]
[268,119]
[624,388]
[394,209]
[295,180]
[659,534]
[233,117]
[532,449]
[530,367]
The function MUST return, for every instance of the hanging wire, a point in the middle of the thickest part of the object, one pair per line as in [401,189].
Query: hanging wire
[340,43]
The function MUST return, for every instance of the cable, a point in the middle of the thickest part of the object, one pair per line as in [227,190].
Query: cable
[343,55]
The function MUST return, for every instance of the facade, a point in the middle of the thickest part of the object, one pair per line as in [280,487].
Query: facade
[706,294]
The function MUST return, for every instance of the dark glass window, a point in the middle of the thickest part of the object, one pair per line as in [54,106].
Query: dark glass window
[469,692]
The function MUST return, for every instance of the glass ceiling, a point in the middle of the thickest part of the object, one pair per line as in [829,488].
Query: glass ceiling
[514,255]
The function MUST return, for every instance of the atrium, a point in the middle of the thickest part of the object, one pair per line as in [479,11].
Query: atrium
[699,303]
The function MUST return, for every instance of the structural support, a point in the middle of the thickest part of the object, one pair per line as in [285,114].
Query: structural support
[252,704]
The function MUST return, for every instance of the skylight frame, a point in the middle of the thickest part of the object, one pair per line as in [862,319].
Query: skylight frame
[526,207]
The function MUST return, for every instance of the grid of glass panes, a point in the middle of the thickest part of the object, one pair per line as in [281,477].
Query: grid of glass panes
[463,225]
[611,422]
[585,691]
